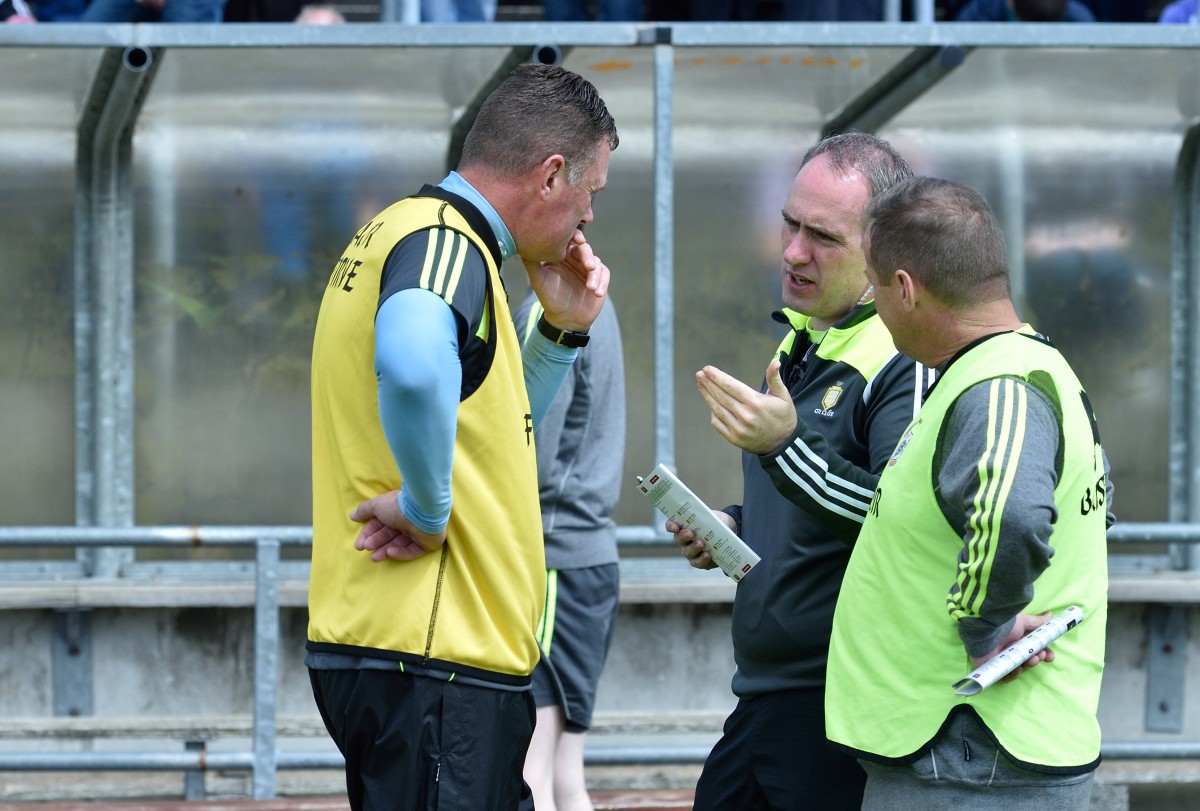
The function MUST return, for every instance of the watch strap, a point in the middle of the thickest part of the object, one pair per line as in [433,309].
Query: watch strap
[562,337]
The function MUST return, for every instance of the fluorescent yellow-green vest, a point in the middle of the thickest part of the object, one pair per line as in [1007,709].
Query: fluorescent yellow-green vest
[472,607]
[895,651]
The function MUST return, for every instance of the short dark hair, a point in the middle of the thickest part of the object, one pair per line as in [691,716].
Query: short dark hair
[945,235]
[539,111]
[869,155]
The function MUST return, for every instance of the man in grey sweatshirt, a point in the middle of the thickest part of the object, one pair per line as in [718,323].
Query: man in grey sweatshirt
[580,456]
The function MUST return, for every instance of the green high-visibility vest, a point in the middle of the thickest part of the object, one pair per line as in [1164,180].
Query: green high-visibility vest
[896,652]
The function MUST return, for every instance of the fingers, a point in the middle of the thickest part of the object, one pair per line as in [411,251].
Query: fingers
[691,547]
[374,534]
[726,384]
[598,279]
[726,417]
[683,535]
[728,393]
[720,418]
[745,417]
[583,260]
[695,553]
[580,259]
[385,507]
[384,543]
[403,548]
[775,385]
[387,534]
[572,291]
[580,250]
[363,511]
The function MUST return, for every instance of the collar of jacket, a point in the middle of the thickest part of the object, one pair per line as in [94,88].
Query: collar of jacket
[799,321]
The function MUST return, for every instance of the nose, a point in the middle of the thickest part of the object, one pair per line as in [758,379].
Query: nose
[796,250]
[587,217]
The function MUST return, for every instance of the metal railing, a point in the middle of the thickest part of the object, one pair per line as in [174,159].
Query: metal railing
[264,759]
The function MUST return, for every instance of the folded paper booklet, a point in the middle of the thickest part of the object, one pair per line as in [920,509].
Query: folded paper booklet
[679,504]
[1017,654]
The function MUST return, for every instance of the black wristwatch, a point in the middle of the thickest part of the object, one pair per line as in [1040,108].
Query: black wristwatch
[562,337]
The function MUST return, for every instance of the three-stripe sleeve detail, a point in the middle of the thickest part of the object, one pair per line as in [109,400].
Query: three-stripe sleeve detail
[996,470]
[445,257]
[806,468]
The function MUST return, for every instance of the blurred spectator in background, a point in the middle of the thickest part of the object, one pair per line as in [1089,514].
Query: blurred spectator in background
[59,11]
[16,12]
[458,11]
[281,11]
[261,11]
[320,15]
[1181,11]
[153,11]
[606,11]
[832,10]
[1119,11]
[1025,11]
[786,10]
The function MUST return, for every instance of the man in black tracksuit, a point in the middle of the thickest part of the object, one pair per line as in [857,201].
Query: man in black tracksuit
[835,401]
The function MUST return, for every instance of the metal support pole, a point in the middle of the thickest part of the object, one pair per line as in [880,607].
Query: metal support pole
[71,662]
[104,299]
[400,11]
[1184,453]
[193,779]
[923,11]
[1166,667]
[664,249]
[266,665]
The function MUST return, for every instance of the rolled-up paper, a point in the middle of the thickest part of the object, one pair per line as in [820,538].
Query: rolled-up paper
[1018,653]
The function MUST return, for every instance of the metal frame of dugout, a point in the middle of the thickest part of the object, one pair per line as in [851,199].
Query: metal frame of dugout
[264,759]
[104,315]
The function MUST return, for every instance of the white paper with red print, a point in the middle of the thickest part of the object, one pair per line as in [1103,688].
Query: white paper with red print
[679,504]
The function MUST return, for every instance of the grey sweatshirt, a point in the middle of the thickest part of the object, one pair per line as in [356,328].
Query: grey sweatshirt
[581,449]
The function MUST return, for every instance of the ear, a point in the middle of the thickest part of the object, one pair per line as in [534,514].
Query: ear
[908,289]
[551,171]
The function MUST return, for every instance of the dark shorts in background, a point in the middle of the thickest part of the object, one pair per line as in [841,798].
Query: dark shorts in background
[576,632]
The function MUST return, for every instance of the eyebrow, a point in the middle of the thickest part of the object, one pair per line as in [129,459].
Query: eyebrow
[816,229]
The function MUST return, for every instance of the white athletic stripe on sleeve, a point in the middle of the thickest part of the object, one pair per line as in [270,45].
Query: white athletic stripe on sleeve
[813,478]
